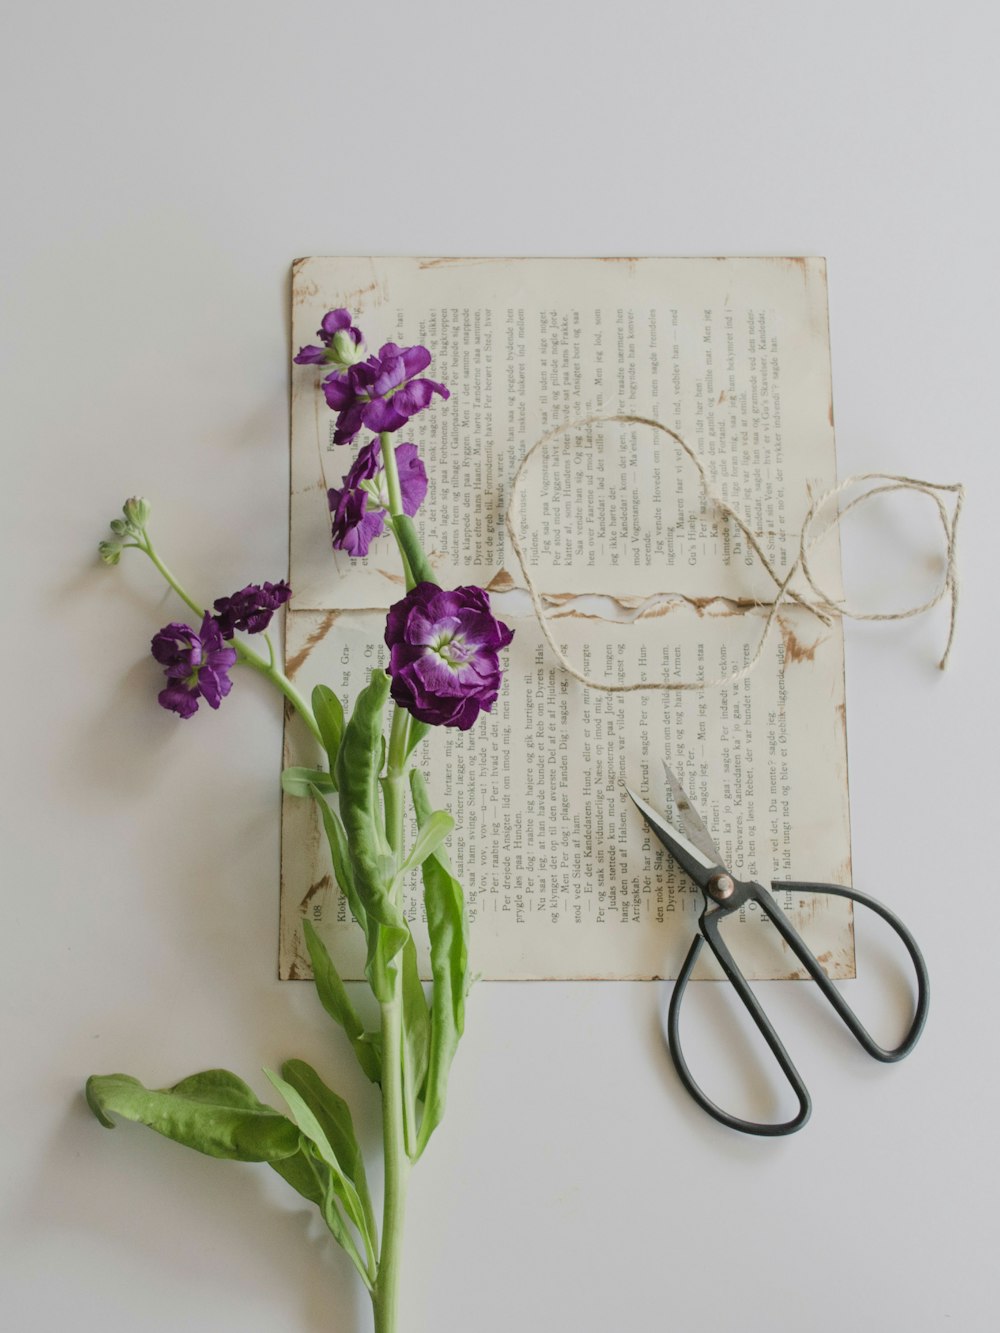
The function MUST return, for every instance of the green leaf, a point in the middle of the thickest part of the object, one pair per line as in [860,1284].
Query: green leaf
[329,714]
[357,777]
[314,1127]
[448,930]
[213,1112]
[418,730]
[336,1002]
[301,781]
[406,534]
[430,835]
[334,1116]
[416,1029]
[340,856]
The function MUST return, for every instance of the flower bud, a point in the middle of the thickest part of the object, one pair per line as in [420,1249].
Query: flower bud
[111,552]
[119,527]
[344,350]
[136,511]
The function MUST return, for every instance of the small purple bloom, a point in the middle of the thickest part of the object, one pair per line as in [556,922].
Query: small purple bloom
[250,609]
[342,343]
[359,506]
[381,393]
[196,663]
[444,654]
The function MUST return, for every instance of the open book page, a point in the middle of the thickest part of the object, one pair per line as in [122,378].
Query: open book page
[561,876]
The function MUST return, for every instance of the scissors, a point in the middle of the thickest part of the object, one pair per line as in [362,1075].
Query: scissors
[697,855]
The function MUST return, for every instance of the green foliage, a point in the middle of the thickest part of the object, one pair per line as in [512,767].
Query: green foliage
[329,714]
[416,1041]
[418,730]
[448,931]
[357,778]
[300,781]
[213,1112]
[431,833]
[336,1002]
[341,858]
[331,1169]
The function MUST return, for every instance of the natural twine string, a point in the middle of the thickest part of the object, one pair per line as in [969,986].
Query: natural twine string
[822,606]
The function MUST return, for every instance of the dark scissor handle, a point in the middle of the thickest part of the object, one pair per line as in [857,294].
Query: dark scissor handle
[709,926]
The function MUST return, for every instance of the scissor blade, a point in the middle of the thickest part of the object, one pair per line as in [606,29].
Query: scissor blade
[690,858]
[691,820]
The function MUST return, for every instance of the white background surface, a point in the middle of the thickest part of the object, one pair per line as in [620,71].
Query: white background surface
[163,166]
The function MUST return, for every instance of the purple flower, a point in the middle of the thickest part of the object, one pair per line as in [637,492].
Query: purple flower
[250,609]
[444,654]
[380,393]
[343,344]
[197,666]
[359,506]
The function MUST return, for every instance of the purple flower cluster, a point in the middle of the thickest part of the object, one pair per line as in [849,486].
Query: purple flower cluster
[197,662]
[197,665]
[443,654]
[444,646]
[378,393]
[250,610]
[360,505]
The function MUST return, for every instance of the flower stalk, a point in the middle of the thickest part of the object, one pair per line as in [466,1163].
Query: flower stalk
[443,670]
[245,655]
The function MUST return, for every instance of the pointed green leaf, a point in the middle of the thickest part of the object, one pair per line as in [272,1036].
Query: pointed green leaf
[329,714]
[448,931]
[315,1131]
[213,1112]
[416,1024]
[301,781]
[430,835]
[357,779]
[341,858]
[418,730]
[334,1116]
[336,1002]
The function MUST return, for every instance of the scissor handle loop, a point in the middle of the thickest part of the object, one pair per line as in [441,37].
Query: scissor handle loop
[808,960]
[752,1005]
[709,926]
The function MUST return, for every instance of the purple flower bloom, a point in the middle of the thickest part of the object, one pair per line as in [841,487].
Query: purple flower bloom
[444,654]
[343,344]
[250,609]
[197,666]
[380,393]
[359,506]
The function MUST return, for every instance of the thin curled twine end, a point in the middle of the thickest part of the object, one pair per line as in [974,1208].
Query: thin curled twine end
[823,607]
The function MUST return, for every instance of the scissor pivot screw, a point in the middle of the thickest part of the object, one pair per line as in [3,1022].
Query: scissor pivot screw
[721,887]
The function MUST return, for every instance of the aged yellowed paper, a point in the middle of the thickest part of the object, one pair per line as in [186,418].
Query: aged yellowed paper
[560,875]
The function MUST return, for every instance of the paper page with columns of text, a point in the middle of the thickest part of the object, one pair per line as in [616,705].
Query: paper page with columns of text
[644,580]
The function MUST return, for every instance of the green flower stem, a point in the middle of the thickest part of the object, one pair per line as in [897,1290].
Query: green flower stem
[388,451]
[244,655]
[147,546]
[270,672]
[385,1297]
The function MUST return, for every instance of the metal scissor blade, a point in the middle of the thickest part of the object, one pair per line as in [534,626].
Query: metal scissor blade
[690,858]
[691,820]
